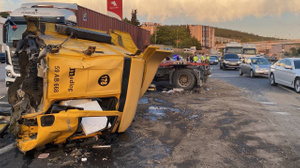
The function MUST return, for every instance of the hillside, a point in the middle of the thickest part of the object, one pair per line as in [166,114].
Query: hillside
[244,37]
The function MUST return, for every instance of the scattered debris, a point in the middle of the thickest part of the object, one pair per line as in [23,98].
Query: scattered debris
[101,146]
[43,155]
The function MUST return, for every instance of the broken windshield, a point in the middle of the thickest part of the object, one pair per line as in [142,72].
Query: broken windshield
[15,35]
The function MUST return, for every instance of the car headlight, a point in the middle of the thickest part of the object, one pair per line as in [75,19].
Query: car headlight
[226,62]
[9,74]
[239,62]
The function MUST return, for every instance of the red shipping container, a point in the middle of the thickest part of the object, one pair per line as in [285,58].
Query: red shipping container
[91,19]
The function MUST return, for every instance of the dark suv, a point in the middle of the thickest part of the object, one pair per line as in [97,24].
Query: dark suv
[230,61]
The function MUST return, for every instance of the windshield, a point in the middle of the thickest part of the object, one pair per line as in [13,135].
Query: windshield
[212,58]
[231,56]
[251,51]
[260,61]
[15,34]
[297,64]
[234,50]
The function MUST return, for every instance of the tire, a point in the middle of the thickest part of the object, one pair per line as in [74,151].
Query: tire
[272,80]
[252,74]
[297,85]
[185,79]
[240,72]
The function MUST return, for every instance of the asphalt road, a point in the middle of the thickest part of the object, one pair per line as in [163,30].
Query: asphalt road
[281,104]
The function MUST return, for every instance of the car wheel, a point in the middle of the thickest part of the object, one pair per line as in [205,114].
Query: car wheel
[297,85]
[240,72]
[272,80]
[185,79]
[252,74]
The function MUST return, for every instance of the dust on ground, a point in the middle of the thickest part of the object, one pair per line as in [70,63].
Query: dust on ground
[218,127]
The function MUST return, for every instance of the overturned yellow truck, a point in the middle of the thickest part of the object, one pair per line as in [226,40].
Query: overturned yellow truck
[76,83]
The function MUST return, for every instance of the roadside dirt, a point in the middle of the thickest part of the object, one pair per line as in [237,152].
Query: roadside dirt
[218,127]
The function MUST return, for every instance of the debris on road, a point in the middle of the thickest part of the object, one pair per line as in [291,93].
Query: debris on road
[43,155]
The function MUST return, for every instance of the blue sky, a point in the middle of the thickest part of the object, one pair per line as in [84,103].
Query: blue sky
[274,18]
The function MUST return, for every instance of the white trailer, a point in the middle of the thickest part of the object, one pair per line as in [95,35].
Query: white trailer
[233,48]
[249,50]
[2,21]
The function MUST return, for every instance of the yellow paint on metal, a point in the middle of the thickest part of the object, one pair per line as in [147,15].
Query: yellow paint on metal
[73,75]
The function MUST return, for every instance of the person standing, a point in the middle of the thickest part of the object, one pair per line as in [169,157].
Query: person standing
[202,58]
[195,58]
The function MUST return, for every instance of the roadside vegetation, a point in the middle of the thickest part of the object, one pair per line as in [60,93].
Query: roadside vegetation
[244,37]
[176,36]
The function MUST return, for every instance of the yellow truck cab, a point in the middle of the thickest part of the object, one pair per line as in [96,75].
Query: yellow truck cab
[76,83]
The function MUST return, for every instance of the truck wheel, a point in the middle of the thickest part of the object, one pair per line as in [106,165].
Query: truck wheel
[184,79]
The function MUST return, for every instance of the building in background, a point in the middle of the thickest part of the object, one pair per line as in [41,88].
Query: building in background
[204,34]
[150,26]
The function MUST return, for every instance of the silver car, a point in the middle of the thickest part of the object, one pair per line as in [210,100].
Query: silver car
[255,66]
[286,72]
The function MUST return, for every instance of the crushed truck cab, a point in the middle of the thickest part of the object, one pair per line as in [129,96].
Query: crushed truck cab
[76,83]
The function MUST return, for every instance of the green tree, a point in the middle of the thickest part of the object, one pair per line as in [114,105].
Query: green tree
[298,51]
[4,14]
[126,20]
[168,35]
[294,51]
[134,19]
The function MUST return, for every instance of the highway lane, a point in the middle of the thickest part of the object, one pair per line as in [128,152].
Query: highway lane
[281,104]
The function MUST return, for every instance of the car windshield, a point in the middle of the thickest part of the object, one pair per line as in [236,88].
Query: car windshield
[260,61]
[297,64]
[234,50]
[231,56]
[212,58]
[216,57]
[249,51]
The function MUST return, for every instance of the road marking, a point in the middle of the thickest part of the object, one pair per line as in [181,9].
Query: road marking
[286,89]
[8,148]
[282,113]
[223,76]
[268,103]
[3,102]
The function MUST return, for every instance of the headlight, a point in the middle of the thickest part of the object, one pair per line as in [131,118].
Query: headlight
[9,74]
[239,62]
[226,62]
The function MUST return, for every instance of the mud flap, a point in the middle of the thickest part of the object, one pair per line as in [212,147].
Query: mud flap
[152,56]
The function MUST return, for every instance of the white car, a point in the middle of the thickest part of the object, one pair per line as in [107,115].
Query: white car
[286,72]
